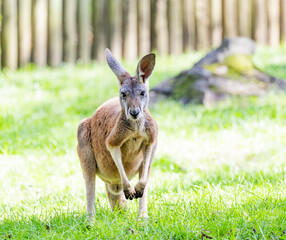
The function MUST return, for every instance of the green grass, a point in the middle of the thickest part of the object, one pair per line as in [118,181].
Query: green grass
[218,171]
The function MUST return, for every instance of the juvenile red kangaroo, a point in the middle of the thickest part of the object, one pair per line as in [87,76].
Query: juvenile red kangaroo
[120,139]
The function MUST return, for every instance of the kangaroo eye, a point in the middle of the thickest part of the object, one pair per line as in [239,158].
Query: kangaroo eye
[142,93]
[123,94]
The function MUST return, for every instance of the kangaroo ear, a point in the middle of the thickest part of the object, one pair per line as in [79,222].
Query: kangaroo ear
[116,67]
[145,67]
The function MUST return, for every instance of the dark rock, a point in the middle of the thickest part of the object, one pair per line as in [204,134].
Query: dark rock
[225,71]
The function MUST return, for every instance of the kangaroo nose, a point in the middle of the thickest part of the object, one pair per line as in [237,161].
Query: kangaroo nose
[134,113]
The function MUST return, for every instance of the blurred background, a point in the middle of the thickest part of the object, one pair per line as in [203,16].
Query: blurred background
[50,32]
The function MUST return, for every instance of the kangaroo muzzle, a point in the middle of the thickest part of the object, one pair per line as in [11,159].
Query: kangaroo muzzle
[134,113]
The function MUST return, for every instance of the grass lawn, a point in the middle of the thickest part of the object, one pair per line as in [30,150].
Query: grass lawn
[219,172]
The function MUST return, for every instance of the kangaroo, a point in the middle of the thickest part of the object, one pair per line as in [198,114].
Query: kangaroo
[120,139]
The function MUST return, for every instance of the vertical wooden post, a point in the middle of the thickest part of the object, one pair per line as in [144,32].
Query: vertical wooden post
[95,31]
[274,26]
[116,41]
[40,32]
[153,27]
[25,32]
[107,23]
[99,30]
[130,49]
[55,32]
[161,27]
[202,21]
[189,25]
[144,27]
[84,30]
[216,22]
[230,18]
[70,32]
[245,17]
[283,21]
[9,34]
[176,29]
[260,21]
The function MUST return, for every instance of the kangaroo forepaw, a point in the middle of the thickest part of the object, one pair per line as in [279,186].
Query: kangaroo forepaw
[139,189]
[139,194]
[129,193]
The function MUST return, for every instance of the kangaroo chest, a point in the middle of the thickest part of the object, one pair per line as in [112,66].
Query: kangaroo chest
[131,148]
[131,156]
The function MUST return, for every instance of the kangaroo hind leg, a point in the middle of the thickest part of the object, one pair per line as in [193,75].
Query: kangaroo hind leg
[116,196]
[88,164]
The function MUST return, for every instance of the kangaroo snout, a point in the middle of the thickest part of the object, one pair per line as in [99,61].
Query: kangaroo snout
[134,113]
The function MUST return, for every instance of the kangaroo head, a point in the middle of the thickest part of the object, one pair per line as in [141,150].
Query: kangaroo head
[134,91]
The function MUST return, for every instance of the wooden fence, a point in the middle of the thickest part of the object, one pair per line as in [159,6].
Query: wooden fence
[50,32]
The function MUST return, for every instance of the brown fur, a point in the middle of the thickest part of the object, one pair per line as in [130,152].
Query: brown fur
[109,138]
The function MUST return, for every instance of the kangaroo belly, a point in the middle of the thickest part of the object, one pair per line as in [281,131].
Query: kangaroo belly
[107,170]
[131,154]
